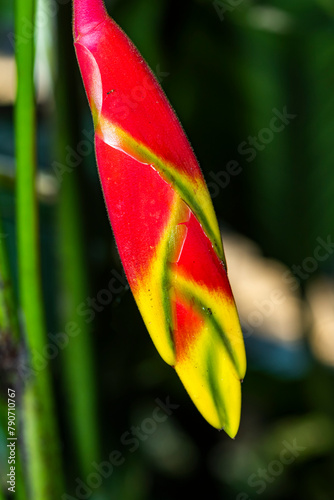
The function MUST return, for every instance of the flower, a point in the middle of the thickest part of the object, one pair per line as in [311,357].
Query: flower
[162,217]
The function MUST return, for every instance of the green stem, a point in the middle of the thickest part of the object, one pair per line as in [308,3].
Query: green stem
[77,356]
[39,429]
[79,379]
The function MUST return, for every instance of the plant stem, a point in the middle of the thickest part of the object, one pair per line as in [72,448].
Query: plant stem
[39,429]
[77,356]
[78,375]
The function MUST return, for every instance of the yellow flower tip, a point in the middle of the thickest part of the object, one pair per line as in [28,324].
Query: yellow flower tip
[231,432]
[221,423]
[232,429]
[224,429]
[218,399]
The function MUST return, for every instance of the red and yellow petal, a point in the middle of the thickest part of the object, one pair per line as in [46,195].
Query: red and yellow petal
[146,129]
[163,219]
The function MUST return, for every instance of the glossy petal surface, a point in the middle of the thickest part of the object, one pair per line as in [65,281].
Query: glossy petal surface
[162,217]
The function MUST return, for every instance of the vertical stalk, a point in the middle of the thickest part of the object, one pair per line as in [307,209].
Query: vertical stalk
[39,429]
[78,373]
[77,356]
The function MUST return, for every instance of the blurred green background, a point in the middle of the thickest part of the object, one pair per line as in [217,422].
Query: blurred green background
[228,68]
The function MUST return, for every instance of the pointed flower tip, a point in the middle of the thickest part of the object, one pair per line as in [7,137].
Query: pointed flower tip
[87,14]
[231,431]
[229,423]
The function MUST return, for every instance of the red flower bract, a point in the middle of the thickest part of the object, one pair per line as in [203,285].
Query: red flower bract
[162,217]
